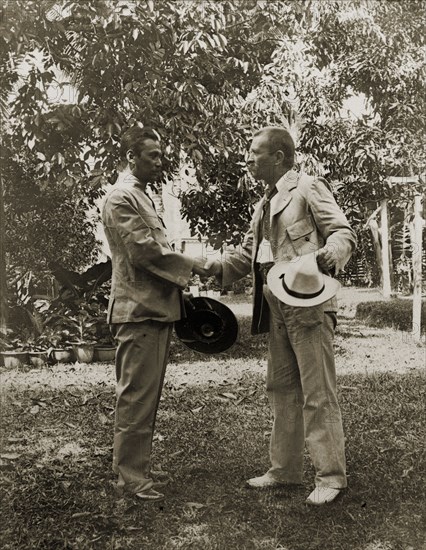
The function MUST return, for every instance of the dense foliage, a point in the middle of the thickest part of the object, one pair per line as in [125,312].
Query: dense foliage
[45,223]
[205,74]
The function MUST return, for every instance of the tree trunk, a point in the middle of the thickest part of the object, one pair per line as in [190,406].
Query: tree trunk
[386,283]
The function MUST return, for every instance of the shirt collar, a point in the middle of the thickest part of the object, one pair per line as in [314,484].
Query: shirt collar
[287,181]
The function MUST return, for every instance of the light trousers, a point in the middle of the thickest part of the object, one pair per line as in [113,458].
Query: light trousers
[301,387]
[141,358]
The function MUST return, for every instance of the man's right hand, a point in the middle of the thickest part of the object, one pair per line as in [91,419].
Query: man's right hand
[206,268]
[214,267]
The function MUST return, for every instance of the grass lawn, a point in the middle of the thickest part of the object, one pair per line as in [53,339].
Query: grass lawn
[57,486]
[58,490]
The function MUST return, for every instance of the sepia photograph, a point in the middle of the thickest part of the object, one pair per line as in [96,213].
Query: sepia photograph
[212,274]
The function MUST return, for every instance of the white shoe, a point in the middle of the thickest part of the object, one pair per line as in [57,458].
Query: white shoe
[322,495]
[150,495]
[263,482]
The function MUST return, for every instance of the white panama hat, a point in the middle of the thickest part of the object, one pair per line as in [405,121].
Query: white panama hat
[299,282]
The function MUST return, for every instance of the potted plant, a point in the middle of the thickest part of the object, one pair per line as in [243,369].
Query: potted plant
[36,340]
[81,305]
[24,342]
[61,354]
[105,353]
[37,351]
[83,330]
[194,285]
[23,350]
[55,336]
[212,287]
[13,351]
[105,349]
[60,350]
[19,344]
[56,340]
[72,326]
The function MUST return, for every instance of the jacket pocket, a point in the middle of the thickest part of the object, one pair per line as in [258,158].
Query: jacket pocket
[303,236]
[158,230]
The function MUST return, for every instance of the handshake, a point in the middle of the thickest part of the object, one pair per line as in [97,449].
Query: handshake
[206,268]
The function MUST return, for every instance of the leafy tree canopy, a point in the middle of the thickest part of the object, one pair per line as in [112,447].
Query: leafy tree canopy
[205,74]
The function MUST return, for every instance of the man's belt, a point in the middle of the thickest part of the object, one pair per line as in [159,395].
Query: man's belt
[263,269]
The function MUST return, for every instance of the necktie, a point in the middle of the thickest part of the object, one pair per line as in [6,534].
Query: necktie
[266,221]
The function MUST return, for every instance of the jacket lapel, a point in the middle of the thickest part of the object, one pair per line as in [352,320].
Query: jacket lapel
[257,219]
[283,198]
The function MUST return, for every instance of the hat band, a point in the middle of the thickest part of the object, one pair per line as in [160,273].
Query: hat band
[300,295]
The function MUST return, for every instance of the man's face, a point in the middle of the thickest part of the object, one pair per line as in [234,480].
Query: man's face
[261,162]
[147,167]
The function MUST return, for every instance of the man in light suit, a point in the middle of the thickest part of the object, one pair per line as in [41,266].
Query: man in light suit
[146,298]
[298,215]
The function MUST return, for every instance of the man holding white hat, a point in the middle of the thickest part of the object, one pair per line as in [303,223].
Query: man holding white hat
[298,237]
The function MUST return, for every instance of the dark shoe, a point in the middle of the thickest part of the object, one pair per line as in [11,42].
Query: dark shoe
[150,495]
[159,475]
[160,478]
[159,484]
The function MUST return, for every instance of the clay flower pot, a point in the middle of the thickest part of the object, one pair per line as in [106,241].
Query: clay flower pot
[15,359]
[83,351]
[61,355]
[105,354]
[37,358]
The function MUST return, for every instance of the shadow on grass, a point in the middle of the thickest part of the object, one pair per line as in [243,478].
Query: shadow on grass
[256,347]
[246,346]
[58,488]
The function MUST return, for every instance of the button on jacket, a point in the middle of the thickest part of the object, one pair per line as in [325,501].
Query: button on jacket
[148,276]
[304,217]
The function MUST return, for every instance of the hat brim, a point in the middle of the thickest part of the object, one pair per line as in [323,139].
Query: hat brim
[274,280]
[210,327]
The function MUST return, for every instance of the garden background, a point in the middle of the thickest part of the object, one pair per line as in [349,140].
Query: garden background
[74,75]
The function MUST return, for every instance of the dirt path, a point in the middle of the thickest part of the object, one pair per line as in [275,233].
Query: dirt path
[359,349]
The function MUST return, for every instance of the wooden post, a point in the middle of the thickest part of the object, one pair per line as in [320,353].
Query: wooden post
[386,286]
[3,285]
[417,268]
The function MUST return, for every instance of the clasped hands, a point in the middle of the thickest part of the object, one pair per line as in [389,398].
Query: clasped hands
[206,268]
[326,259]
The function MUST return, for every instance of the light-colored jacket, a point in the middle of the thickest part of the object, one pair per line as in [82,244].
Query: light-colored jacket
[147,275]
[304,216]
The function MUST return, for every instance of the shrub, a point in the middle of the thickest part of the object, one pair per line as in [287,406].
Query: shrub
[242,286]
[394,313]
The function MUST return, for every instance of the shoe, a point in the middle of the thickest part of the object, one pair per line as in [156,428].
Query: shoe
[263,482]
[159,484]
[160,478]
[159,474]
[150,495]
[322,495]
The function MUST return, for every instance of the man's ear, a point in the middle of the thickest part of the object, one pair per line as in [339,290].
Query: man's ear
[130,156]
[279,157]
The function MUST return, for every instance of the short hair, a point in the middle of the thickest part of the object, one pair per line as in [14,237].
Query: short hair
[279,139]
[134,138]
